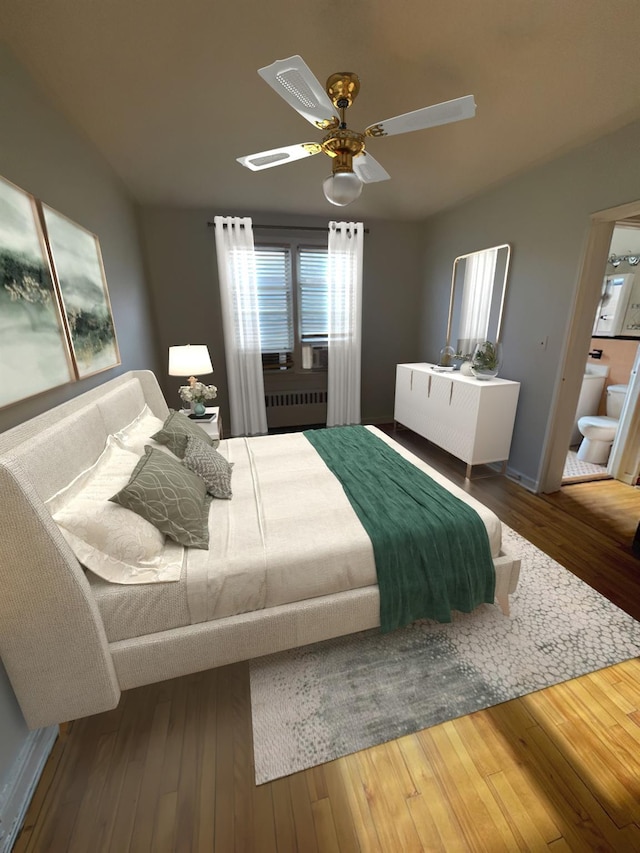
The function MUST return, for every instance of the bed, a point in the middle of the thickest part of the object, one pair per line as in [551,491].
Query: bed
[72,641]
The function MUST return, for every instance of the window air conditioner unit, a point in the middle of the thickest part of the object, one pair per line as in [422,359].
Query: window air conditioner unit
[315,356]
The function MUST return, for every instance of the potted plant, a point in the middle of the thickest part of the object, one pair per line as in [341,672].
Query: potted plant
[486,360]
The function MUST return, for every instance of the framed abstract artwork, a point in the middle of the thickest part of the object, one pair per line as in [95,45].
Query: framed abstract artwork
[34,346]
[78,269]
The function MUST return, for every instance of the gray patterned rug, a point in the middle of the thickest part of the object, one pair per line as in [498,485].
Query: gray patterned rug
[320,702]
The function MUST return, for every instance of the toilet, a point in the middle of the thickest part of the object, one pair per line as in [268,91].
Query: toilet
[600,430]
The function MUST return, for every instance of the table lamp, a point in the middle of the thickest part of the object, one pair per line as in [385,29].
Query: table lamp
[189,360]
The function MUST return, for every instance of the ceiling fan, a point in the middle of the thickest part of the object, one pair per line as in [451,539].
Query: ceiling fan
[325,108]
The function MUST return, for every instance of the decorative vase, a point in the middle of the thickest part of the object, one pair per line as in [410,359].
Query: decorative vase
[198,408]
[486,361]
[447,354]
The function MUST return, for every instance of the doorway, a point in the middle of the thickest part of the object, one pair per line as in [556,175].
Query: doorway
[587,296]
[609,391]
[610,362]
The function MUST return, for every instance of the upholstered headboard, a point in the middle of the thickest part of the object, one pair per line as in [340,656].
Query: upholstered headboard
[51,633]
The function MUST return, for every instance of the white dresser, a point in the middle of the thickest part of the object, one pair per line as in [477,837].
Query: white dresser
[470,418]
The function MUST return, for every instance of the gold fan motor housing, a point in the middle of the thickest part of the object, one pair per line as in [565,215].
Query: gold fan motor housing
[342,140]
[343,145]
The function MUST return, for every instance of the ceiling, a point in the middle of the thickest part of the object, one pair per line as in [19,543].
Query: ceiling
[168,91]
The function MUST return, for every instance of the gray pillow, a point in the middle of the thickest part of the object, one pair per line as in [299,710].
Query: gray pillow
[210,465]
[176,430]
[170,497]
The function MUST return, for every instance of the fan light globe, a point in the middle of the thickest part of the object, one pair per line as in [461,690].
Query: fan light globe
[342,188]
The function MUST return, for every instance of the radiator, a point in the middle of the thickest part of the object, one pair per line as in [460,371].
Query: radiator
[295,408]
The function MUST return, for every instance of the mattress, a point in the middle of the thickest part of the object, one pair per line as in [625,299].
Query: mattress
[288,534]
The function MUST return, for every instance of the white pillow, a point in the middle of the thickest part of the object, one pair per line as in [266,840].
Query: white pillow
[113,542]
[135,435]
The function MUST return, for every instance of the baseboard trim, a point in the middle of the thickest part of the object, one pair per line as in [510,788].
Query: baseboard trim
[18,790]
[526,482]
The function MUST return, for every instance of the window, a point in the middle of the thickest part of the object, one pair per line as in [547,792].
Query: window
[292,299]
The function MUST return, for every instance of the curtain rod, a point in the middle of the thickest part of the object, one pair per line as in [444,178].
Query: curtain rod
[289,227]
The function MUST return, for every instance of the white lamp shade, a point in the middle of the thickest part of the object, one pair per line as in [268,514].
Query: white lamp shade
[189,360]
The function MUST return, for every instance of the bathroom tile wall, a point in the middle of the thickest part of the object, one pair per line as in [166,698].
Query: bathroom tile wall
[618,355]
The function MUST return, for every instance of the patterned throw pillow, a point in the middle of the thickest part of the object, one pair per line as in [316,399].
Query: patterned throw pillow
[171,497]
[207,463]
[176,430]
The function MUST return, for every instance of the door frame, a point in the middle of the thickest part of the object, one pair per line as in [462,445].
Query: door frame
[576,344]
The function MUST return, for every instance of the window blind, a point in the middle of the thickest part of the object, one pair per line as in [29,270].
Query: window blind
[275,301]
[312,283]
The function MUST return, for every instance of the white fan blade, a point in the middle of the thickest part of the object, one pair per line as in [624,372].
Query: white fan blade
[278,156]
[294,81]
[368,169]
[444,113]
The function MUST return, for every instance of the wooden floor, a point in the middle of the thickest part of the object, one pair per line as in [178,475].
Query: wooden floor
[171,768]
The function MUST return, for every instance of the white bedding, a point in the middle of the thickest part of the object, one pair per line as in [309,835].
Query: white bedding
[289,533]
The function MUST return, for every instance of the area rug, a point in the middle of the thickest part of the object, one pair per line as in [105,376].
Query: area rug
[317,703]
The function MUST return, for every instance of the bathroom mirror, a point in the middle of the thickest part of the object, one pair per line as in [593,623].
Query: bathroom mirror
[476,303]
[618,311]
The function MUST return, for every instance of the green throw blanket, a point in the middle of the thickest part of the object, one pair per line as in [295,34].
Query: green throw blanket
[431,549]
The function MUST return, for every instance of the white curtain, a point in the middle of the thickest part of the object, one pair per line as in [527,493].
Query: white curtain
[345,322]
[241,325]
[479,273]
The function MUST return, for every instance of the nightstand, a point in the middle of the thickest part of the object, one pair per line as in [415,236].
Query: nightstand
[213,427]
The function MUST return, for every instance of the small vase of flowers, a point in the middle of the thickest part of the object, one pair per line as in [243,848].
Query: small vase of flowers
[196,394]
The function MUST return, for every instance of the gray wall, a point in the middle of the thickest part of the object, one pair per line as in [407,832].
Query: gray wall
[183,276]
[42,153]
[544,214]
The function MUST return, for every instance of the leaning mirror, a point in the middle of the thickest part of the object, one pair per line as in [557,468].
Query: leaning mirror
[476,305]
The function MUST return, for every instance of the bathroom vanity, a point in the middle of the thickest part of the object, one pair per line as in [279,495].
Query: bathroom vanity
[470,418]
